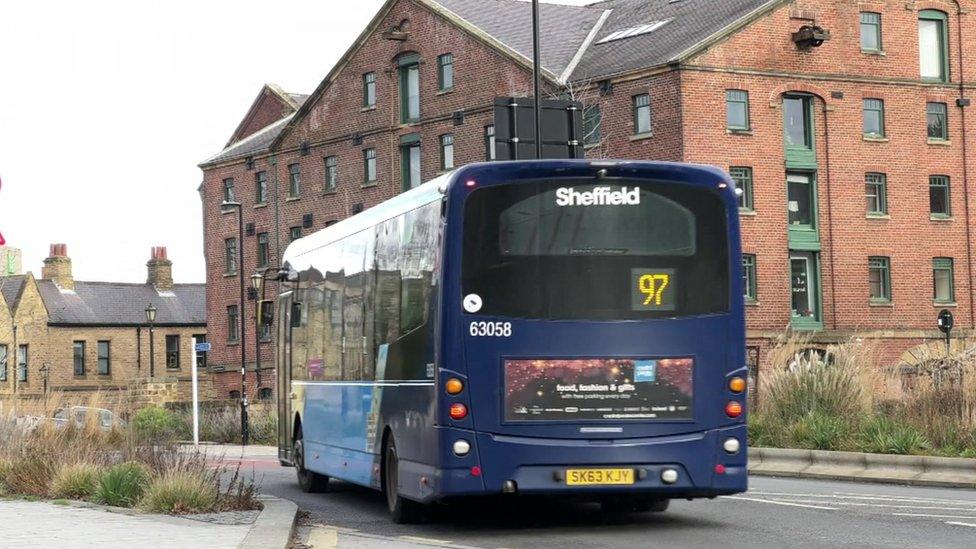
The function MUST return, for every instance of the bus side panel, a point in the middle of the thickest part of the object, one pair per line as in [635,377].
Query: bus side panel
[338,448]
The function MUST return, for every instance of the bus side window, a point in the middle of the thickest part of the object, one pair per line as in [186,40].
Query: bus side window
[419,255]
[387,296]
[334,285]
[353,257]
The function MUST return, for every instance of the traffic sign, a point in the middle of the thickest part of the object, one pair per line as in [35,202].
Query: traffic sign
[203,347]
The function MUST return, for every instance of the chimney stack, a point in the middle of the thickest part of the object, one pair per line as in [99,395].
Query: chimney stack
[57,267]
[160,270]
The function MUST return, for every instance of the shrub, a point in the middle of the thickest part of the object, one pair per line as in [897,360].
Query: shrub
[156,424]
[77,481]
[180,492]
[122,485]
[829,389]
[29,475]
[885,436]
[820,431]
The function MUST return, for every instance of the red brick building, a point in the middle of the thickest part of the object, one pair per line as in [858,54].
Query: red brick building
[845,124]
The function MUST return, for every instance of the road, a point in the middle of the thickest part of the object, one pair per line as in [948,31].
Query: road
[774,513]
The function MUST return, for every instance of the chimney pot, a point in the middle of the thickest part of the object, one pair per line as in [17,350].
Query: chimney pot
[57,267]
[159,270]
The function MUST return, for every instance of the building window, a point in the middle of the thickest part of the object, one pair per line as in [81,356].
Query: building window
[22,362]
[264,332]
[172,352]
[201,355]
[264,393]
[879,279]
[749,277]
[737,109]
[933,40]
[234,395]
[262,250]
[942,276]
[331,173]
[937,121]
[796,118]
[233,328]
[410,93]
[805,287]
[295,233]
[369,90]
[592,117]
[369,166]
[410,166]
[229,189]
[447,152]
[104,358]
[230,255]
[874,123]
[260,187]
[876,191]
[742,176]
[800,200]
[642,114]
[445,72]
[490,142]
[78,348]
[3,363]
[939,202]
[294,180]
[870,31]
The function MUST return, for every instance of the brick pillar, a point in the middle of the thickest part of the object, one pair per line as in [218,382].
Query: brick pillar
[160,270]
[57,267]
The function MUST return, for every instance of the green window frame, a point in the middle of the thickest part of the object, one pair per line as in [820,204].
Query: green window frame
[642,114]
[937,121]
[262,252]
[943,283]
[490,151]
[445,72]
[331,173]
[742,176]
[876,193]
[411,175]
[592,119]
[749,283]
[369,90]
[261,187]
[230,256]
[78,357]
[798,131]
[409,88]
[233,326]
[369,166]
[229,189]
[933,45]
[874,118]
[447,152]
[104,358]
[871,32]
[879,279]
[294,180]
[295,233]
[737,110]
[940,198]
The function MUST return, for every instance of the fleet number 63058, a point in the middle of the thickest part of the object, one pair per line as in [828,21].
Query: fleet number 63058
[491,329]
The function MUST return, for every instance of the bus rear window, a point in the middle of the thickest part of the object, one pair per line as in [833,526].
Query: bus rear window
[619,250]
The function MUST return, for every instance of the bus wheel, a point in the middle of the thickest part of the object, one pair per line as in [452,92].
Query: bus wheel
[651,505]
[309,481]
[402,510]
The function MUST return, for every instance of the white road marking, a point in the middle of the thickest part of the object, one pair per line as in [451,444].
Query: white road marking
[781,503]
[930,516]
[965,507]
[868,497]
[961,524]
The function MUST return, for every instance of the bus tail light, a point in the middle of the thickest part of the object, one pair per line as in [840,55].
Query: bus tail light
[458,411]
[737,385]
[453,386]
[462,447]
[733,409]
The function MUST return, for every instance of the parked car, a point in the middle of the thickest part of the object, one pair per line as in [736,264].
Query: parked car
[107,420]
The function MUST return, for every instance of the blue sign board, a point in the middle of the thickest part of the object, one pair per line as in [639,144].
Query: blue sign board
[203,347]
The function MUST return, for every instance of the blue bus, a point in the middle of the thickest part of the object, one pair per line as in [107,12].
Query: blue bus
[565,328]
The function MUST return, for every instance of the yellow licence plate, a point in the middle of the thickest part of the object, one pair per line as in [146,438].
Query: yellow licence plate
[585,477]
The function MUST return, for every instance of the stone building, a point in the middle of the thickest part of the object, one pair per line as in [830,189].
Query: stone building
[79,337]
[844,123]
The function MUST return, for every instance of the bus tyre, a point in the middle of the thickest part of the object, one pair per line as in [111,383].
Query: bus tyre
[309,481]
[651,505]
[402,510]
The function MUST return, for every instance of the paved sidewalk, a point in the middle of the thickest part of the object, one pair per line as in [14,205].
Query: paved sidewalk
[35,525]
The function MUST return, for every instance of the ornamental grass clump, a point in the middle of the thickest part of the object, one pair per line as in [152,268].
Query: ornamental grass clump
[76,481]
[180,492]
[885,436]
[122,485]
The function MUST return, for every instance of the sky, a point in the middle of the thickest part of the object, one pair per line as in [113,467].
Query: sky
[107,107]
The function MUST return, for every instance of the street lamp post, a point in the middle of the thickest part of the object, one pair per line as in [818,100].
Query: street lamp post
[245,435]
[257,282]
[151,318]
[536,69]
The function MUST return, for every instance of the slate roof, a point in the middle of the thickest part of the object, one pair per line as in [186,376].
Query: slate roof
[691,23]
[10,287]
[255,143]
[298,98]
[564,28]
[120,304]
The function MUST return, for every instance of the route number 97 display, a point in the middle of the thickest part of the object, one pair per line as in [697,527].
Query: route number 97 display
[653,289]
[490,329]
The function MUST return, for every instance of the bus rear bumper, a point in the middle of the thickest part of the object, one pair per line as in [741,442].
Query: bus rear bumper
[539,466]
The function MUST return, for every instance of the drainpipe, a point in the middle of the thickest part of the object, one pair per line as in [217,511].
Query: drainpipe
[965,169]
[830,218]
